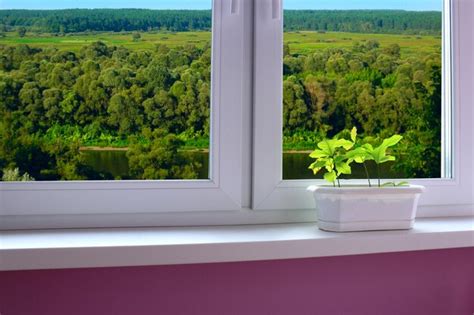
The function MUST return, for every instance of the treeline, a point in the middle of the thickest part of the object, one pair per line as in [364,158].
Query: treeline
[117,20]
[365,21]
[105,20]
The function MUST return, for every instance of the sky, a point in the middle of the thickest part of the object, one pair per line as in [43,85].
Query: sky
[418,5]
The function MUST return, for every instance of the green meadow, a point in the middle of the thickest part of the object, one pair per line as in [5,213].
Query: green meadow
[75,41]
[309,41]
[300,42]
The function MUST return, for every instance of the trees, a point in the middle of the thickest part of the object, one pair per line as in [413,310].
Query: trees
[374,88]
[21,31]
[124,113]
[295,111]
[136,37]
[160,158]
[117,20]
[52,101]
[364,21]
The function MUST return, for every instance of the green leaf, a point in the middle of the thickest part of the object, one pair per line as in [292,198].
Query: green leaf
[387,158]
[393,140]
[330,176]
[317,166]
[354,134]
[387,184]
[329,165]
[316,154]
[346,144]
[368,147]
[378,154]
[327,146]
[339,159]
[359,155]
[343,168]
[318,163]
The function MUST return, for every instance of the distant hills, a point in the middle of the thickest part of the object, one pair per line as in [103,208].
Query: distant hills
[117,20]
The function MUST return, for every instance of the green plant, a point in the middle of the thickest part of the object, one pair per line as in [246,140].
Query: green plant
[13,175]
[331,156]
[336,156]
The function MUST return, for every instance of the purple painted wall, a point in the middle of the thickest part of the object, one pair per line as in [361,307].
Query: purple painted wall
[429,282]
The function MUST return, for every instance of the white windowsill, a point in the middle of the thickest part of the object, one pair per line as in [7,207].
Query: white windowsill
[79,248]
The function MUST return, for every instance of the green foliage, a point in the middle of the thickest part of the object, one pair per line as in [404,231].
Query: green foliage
[331,156]
[378,154]
[381,91]
[301,140]
[118,20]
[136,37]
[160,158]
[336,155]
[68,94]
[364,21]
[97,98]
[13,175]
[21,31]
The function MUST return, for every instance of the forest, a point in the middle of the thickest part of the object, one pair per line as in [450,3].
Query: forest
[117,20]
[155,102]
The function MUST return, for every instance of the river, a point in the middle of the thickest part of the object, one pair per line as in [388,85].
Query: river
[295,165]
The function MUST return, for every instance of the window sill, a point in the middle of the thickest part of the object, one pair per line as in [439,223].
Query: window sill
[80,248]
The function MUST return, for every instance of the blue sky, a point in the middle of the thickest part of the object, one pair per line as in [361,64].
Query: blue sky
[206,4]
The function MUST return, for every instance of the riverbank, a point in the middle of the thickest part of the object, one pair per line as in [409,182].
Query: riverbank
[96,148]
[295,164]
[109,148]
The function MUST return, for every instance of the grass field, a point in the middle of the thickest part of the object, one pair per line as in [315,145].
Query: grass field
[306,42]
[299,42]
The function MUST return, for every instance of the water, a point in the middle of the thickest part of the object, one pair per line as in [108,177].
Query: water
[295,165]
[109,162]
[115,162]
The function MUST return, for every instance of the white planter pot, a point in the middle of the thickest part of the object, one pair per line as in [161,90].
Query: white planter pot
[357,208]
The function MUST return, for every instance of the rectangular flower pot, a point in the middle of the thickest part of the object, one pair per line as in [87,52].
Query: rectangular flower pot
[358,208]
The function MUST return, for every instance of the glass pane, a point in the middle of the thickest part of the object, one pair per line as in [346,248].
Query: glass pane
[373,65]
[104,90]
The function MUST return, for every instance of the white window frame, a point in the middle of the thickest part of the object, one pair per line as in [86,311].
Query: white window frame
[78,203]
[246,184]
[452,195]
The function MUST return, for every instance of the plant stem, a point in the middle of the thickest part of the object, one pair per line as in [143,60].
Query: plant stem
[338,183]
[367,174]
[334,183]
[378,173]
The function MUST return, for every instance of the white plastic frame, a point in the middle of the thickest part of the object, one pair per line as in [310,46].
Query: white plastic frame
[224,190]
[250,47]
[451,195]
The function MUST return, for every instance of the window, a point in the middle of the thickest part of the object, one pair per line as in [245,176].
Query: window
[106,94]
[273,81]
[221,188]
[380,71]
[318,81]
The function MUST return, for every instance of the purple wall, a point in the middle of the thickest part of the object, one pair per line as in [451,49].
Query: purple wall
[429,282]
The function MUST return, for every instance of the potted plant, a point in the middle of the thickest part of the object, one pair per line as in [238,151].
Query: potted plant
[342,208]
